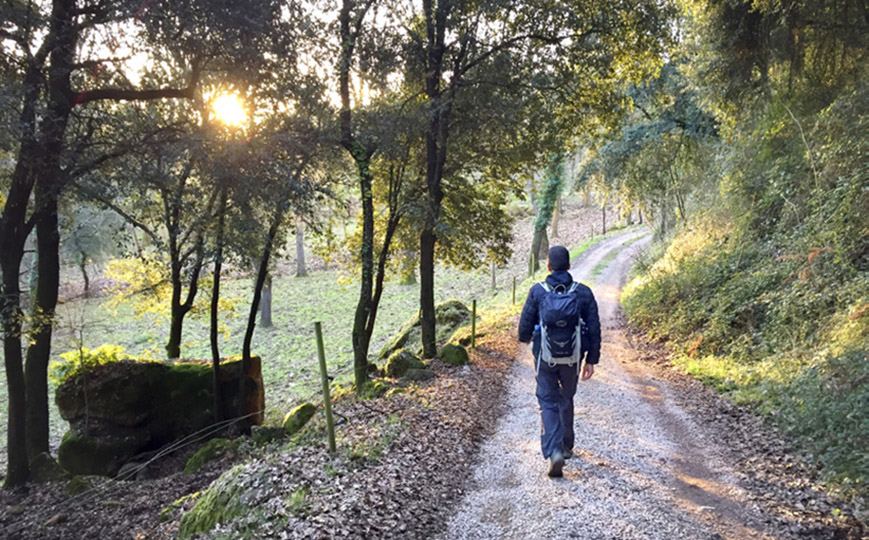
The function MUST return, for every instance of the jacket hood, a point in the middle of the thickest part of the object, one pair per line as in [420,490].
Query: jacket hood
[559,277]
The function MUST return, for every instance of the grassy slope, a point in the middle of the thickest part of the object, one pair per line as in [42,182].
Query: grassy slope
[786,335]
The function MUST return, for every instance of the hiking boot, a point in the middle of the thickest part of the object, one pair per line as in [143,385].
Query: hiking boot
[556,464]
[568,453]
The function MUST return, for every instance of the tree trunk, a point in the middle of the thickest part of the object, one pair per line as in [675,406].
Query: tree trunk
[266,307]
[439,104]
[45,302]
[82,265]
[361,317]
[13,234]
[494,284]
[17,468]
[426,293]
[603,219]
[173,346]
[179,310]
[215,304]
[300,249]
[254,308]
[539,250]
[555,216]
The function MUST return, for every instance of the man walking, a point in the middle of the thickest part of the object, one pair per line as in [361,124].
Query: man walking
[560,316]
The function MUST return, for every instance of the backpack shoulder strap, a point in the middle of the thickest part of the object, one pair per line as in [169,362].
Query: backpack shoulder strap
[545,286]
[573,287]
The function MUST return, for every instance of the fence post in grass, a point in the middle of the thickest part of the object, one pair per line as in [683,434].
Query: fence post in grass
[327,401]
[514,289]
[473,323]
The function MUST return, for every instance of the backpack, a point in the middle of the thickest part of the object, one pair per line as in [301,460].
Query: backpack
[560,325]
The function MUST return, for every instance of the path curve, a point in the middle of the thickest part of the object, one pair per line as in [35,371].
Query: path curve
[644,468]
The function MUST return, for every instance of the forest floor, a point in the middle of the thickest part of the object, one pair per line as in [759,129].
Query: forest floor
[657,454]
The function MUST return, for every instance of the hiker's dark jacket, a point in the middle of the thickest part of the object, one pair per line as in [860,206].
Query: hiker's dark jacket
[587,310]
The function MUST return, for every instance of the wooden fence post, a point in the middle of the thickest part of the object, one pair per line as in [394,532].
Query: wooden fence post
[473,323]
[327,401]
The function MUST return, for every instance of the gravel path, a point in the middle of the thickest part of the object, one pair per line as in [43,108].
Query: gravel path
[644,468]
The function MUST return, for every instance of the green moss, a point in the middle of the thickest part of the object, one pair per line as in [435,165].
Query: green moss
[373,389]
[166,513]
[209,451]
[218,504]
[80,454]
[401,361]
[455,355]
[296,419]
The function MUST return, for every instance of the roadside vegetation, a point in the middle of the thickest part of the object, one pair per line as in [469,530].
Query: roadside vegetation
[760,281]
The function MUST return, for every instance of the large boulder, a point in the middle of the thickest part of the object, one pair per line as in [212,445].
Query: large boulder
[449,316]
[122,409]
[400,362]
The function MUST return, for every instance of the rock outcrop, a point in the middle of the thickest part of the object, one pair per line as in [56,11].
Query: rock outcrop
[122,409]
[449,316]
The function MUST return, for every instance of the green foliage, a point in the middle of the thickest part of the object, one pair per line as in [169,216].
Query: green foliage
[297,502]
[74,362]
[167,512]
[764,293]
[212,449]
[548,197]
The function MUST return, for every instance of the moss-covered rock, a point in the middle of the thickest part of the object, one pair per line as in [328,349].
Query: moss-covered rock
[121,409]
[78,484]
[419,375]
[455,355]
[462,336]
[400,361]
[43,468]
[218,504]
[262,435]
[373,389]
[99,454]
[296,419]
[449,316]
[212,449]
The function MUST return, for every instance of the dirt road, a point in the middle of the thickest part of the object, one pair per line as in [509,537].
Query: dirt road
[644,467]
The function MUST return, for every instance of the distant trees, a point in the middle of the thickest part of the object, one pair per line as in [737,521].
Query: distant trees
[64,57]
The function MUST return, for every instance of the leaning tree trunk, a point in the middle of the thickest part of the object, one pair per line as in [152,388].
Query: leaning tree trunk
[265,317]
[254,308]
[360,337]
[215,304]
